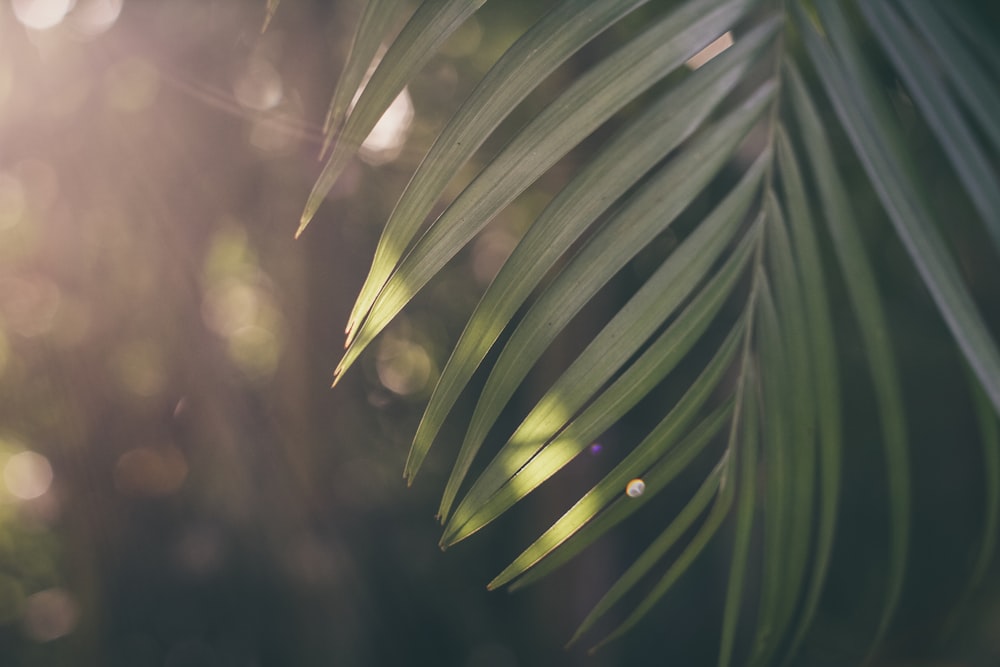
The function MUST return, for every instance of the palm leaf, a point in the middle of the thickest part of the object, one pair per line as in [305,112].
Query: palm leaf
[738,151]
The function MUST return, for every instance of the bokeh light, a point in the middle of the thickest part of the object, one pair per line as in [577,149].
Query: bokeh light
[41,14]
[27,475]
[403,365]
[238,305]
[50,614]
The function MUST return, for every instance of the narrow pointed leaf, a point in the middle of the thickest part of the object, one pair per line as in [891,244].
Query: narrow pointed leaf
[547,554]
[587,104]
[655,553]
[746,463]
[272,7]
[876,142]
[653,447]
[980,95]
[868,309]
[775,380]
[647,213]
[607,176]
[827,385]
[941,111]
[429,26]
[546,45]
[630,328]
[667,539]
[623,394]
[372,28]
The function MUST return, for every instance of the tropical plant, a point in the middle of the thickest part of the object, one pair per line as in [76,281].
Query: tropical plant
[736,153]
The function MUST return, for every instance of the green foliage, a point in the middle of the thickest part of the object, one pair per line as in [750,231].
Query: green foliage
[736,154]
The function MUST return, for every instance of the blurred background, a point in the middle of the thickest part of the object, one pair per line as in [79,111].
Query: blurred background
[178,484]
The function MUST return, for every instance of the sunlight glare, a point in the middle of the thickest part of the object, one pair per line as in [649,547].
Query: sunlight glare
[259,86]
[27,475]
[41,14]
[385,142]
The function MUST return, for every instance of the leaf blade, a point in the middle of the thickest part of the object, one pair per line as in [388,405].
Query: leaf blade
[589,102]
[620,163]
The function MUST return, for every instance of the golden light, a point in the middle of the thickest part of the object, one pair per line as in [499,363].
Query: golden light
[27,475]
[41,14]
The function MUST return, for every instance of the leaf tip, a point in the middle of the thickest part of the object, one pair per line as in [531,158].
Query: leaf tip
[303,223]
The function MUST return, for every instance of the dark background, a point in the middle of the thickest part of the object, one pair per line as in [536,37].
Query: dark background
[167,347]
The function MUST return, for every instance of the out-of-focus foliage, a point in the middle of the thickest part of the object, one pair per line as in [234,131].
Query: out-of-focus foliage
[177,484]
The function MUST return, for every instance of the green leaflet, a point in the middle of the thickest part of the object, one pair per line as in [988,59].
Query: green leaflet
[654,364]
[589,102]
[429,26]
[826,396]
[612,347]
[538,52]
[372,28]
[876,142]
[941,111]
[659,442]
[551,550]
[868,309]
[647,213]
[621,162]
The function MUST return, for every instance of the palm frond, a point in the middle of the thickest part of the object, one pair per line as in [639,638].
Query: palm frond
[741,138]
